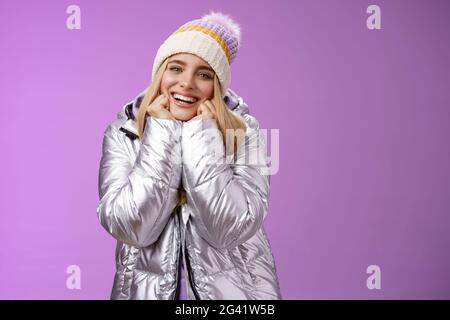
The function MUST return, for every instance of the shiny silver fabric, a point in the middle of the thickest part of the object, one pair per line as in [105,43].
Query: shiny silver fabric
[219,233]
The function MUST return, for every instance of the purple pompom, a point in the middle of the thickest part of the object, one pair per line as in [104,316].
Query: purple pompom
[226,22]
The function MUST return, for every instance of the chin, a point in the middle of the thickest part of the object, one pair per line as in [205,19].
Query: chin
[183,115]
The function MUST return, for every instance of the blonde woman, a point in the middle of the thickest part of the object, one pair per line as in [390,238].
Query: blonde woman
[177,190]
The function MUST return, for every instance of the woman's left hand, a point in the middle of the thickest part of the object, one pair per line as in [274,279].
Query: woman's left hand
[206,110]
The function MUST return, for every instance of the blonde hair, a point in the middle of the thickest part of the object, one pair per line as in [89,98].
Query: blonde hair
[226,119]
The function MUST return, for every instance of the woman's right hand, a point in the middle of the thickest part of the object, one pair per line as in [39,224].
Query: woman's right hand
[159,108]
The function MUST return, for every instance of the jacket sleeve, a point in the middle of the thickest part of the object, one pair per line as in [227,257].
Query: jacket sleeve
[136,199]
[229,197]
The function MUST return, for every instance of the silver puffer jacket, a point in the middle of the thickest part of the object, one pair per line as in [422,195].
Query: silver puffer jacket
[218,234]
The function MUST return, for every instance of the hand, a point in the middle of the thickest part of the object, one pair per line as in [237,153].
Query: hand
[206,110]
[159,108]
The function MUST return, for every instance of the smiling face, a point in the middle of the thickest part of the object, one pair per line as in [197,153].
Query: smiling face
[188,81]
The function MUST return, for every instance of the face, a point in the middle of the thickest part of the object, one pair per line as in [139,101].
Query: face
[188,81]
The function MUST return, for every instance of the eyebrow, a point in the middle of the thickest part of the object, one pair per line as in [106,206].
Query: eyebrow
[184,63]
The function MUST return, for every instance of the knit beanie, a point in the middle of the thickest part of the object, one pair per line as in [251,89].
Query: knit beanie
[215,38]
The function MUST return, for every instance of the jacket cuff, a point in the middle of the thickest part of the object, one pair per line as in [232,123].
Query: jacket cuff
[160,154]
[203,151]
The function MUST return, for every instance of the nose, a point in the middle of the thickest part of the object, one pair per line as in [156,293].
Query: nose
[187,81]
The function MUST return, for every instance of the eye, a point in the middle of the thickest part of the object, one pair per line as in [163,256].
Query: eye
[175,68]
[205,76]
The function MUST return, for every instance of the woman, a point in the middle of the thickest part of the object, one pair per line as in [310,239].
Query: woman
[177,190]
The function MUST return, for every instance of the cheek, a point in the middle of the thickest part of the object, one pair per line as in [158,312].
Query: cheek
[166,83]
[208,90]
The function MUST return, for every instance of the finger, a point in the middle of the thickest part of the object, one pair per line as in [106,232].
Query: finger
[207,107]
[208,112]
[169,114]
[164,98]
[163,102]
[159,98]
[210,105]
[200,109]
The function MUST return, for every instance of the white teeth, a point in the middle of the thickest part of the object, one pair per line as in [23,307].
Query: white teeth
[187,99]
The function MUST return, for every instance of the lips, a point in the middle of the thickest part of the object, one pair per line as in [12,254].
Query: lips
[183,100]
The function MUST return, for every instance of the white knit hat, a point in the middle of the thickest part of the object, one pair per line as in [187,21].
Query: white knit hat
[215,38]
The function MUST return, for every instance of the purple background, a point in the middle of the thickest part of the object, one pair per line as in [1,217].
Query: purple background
[364,127]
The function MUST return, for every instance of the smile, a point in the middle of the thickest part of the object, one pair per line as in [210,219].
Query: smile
[183,101]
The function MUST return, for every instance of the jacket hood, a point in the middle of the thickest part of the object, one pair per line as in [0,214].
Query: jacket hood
[129,112]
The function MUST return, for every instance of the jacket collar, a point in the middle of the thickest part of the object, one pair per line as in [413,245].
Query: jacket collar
[130,125]
[129,115]
[130,110]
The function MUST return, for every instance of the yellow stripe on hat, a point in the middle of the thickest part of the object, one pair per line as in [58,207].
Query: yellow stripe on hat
[210,33]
